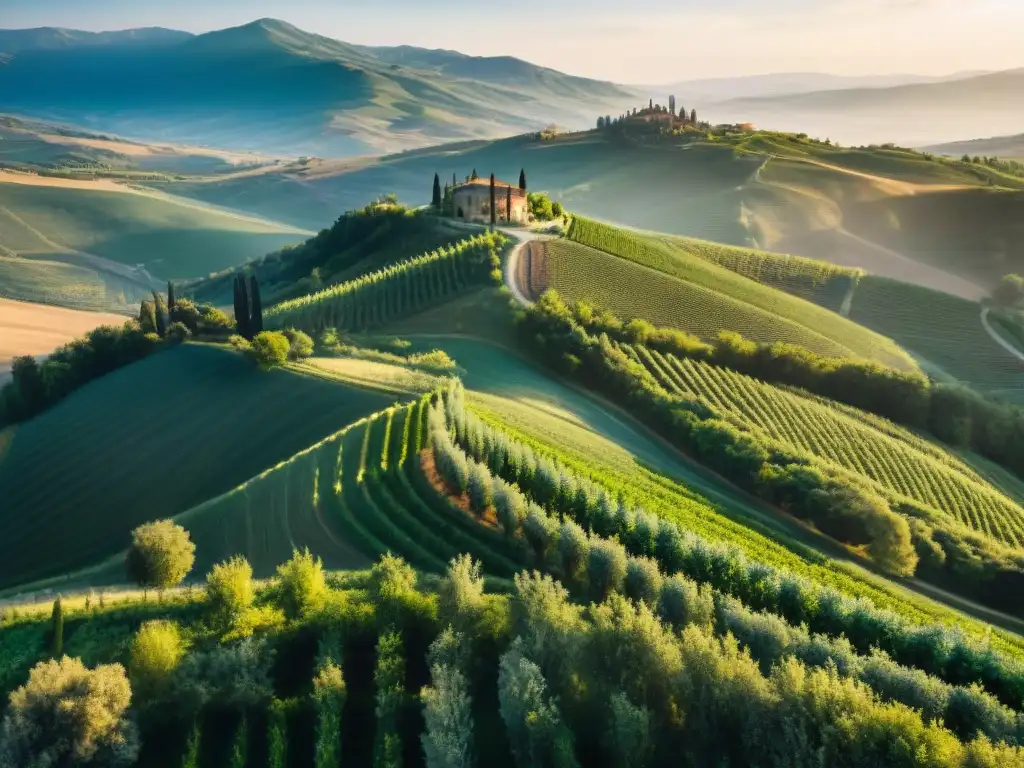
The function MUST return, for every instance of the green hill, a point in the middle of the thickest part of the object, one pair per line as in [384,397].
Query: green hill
[150,441]
[945,331]
[705,298]
[95,248]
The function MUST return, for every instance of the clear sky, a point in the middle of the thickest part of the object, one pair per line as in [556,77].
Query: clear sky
[634,41]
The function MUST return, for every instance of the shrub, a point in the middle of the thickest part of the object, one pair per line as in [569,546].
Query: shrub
[300,345]
[643,581]
[682,602]
[536,732]
[480,487]
[178,333]
[234,676]
[606,567]
[460,596]
[68,715]
[239,342]
[155,652]
[229,590]
[509,506]
[302,583]
[161,555]
[270,349]
[573,549]
[448,720]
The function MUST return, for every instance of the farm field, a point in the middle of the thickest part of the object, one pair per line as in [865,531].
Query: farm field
[703,298]
[149,441]
[819,282]
[401,289]
[945,331]
[35,329]
[895,460]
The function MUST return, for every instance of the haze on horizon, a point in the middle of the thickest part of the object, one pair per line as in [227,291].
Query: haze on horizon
[643,41]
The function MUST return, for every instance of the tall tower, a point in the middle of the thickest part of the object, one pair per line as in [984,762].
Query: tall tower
[672,104]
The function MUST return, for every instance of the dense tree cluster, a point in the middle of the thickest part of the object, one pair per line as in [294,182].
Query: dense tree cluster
[898,534]
[36,386]
[689,580]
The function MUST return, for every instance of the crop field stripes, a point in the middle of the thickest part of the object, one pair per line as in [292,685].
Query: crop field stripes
[693,292]
[825,284]
[943,329]
[896,465]
[394,291]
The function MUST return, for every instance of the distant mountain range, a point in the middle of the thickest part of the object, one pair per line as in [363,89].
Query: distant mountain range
[998,146]
[717,89]
[271,87]
[912,114]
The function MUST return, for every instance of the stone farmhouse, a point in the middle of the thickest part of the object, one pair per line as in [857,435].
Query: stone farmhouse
[471,201]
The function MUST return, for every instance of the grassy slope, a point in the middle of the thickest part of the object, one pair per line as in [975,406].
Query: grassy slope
[944,330]
[689,192]
[169,238]
[151,441]
[763,313]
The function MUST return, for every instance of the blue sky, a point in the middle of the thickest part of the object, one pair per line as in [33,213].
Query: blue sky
[639,41]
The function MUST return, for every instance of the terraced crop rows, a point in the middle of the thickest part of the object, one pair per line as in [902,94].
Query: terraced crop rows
[896,465]
[761,313]
[820,282]
[581,273]
[943,329]
[394,291]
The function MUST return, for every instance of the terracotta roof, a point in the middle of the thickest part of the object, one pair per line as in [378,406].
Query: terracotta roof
[486,182]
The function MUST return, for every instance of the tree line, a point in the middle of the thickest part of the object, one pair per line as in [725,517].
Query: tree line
[899,537]
[597,545]
[952,413]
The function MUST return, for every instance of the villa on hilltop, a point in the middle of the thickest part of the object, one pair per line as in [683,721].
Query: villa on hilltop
[471,201]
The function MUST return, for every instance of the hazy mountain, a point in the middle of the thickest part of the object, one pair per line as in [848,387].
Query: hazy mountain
[915,114]
[716,89]
[271,87]
[998,146]
[14,41]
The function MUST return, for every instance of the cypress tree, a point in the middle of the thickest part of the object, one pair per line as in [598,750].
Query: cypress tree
[455,181]
[436,200]
[693,116]
[170,298]
[57,621]
[256,312]
[161,314]
[522,179]
[494,204]
[242,306]
[474,177]
[508,203]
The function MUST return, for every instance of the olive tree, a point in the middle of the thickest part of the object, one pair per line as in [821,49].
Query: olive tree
[160,556]
[69,715]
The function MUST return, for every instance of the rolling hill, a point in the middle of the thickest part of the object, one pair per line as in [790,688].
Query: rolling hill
[894,212]
[271,87]
[150,441]
[99,245]
[1011,147]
